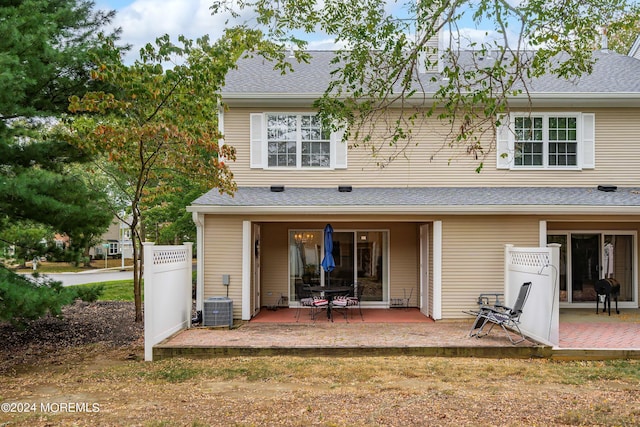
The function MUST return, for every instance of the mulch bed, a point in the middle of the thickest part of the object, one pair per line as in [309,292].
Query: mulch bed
[109,323]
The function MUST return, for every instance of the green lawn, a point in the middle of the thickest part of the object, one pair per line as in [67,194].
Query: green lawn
[117,290]
[66,267]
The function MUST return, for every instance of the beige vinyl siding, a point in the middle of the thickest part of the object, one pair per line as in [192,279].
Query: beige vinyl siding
[274,262]
[223,255]
[404,265]
[473,257]
[113,232]
[433,163]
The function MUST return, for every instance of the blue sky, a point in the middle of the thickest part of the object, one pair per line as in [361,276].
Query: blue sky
[142,21]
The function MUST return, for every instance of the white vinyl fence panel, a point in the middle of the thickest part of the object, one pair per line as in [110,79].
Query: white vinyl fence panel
[167,292]
[540,318]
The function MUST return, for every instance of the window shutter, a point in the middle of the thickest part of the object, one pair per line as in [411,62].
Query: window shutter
[504,147]
[340,149]
[257,138]
[588,141]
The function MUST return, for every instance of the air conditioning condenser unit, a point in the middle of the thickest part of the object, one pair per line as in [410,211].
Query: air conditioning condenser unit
[218,311]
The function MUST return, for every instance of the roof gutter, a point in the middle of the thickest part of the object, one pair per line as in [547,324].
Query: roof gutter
[420,210]
[582,99]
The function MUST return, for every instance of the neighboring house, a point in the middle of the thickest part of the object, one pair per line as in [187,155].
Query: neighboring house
[116,241]
[431,225]
[61,241]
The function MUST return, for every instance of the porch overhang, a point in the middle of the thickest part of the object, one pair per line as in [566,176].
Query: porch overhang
[423,200]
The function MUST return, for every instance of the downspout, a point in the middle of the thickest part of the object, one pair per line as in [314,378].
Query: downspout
[198,219]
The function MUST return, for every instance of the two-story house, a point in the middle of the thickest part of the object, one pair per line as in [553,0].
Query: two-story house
[565,171]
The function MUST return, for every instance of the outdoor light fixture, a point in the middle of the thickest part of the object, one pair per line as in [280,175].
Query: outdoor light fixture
[607,188]
[277,188]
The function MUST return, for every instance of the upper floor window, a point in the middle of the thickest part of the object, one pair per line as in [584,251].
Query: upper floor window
[295,141]
[546,141]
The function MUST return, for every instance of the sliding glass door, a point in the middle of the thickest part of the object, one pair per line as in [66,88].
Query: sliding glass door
[586,257]
[360,258]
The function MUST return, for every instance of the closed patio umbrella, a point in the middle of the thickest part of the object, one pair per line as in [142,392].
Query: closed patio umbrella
[328,263]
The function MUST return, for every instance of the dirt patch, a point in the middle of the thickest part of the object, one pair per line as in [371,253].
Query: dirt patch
[107,323]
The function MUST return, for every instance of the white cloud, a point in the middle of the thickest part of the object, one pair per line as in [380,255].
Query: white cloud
[143,21]
[470,38]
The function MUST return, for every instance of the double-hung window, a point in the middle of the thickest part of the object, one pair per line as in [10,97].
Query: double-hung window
[295,141]
[113,248]
[546,141]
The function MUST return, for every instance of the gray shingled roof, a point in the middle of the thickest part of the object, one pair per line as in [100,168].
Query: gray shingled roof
[427,197]
[612,73]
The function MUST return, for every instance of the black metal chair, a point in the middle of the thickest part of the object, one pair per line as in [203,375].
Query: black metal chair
[305,300]
[506,317]
[340,303]
[354,301]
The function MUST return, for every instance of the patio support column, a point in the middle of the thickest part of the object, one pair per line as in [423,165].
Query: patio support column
[198,219]
[437,270]
[554,332]
[246,270]
[542,230]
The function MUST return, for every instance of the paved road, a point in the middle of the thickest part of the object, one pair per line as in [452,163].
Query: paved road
[70,279]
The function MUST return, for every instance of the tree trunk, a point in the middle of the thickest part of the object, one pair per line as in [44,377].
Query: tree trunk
[86,257]
[137,271]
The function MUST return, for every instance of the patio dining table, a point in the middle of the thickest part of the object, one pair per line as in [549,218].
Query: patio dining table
[329,293]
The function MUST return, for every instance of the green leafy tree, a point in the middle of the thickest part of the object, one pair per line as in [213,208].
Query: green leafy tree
[622,38]
[156,123]
[44,58]
[23,299]
[45,52]
[390,63]
[29,239]
[167,219]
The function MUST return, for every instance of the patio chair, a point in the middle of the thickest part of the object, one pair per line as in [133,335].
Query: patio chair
[402,302]
[317,305]
[498,314]
[305,300]
[340,302]
[353,302]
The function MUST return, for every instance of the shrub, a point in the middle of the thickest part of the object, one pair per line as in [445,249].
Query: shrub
[88,293]
[23,299]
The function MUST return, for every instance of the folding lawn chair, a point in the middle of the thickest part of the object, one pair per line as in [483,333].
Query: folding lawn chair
[498,314]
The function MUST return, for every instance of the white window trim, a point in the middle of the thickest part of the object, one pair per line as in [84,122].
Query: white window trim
[505,145]
[114,248]
[259,146]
